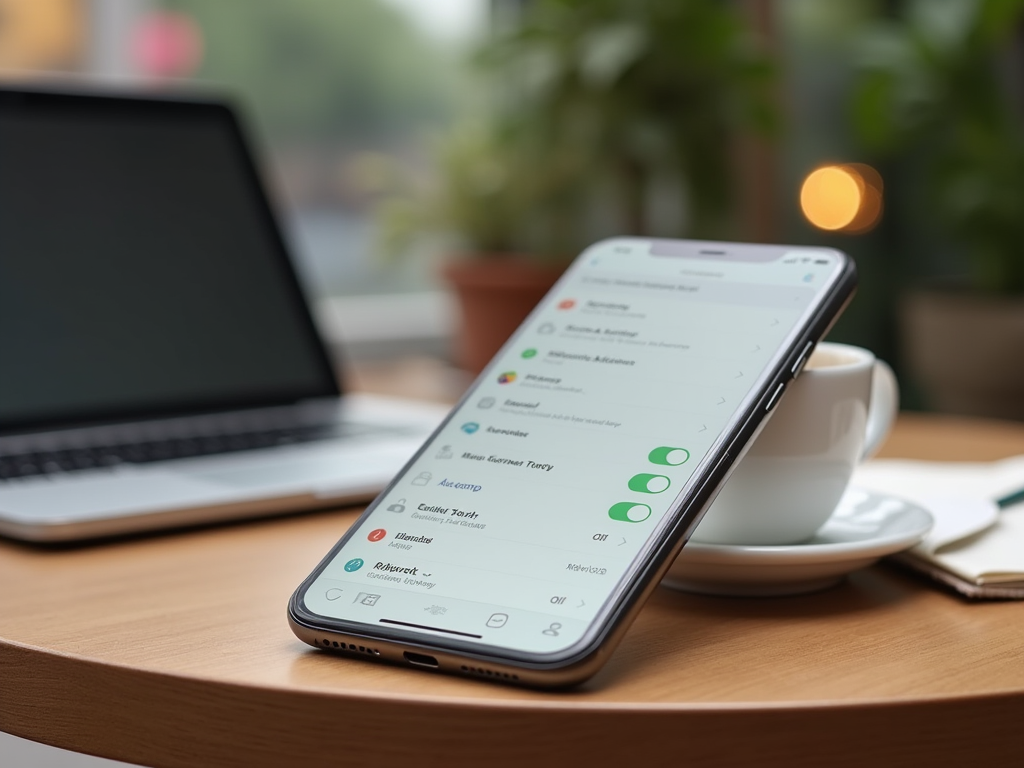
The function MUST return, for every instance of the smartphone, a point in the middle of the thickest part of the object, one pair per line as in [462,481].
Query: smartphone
[521,540]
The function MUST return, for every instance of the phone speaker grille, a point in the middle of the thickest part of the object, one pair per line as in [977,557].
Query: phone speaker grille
[343,646]
[491,673]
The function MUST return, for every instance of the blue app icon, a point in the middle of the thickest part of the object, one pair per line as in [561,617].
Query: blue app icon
[470,427]
[354,565]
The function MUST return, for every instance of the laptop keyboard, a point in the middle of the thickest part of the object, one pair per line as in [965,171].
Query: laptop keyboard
[143,452]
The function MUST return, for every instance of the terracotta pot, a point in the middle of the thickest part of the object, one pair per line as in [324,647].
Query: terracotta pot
[966,351]
[494,295]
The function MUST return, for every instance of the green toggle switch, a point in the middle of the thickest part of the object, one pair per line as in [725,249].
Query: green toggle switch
[668,456]
[645,483]
[629,512]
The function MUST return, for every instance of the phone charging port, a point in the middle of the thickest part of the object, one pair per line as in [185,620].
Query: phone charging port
[421,660]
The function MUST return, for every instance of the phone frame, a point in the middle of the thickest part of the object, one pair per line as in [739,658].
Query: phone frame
[581,660]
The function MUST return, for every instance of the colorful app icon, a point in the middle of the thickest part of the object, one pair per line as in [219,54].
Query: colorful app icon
[377,534]
[354,564]
[470,427]
[567,303]
[507,377]
[528,353]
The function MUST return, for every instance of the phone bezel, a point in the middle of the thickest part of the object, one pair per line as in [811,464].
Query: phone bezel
[578,661]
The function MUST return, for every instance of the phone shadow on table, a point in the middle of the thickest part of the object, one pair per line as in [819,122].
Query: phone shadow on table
[678,629]
[675,630]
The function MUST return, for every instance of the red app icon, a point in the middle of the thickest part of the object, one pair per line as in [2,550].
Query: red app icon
[377,534]
[567,303]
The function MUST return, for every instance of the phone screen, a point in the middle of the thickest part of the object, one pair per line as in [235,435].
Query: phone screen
[521,519]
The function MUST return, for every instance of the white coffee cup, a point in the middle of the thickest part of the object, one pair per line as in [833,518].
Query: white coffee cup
[836,413]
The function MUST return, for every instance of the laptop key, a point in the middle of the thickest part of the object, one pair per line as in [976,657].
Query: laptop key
[146,451]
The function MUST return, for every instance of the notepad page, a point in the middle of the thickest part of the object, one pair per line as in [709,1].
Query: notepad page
[990,546]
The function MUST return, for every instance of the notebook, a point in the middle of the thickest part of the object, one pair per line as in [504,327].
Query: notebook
[159,365]
[977,544]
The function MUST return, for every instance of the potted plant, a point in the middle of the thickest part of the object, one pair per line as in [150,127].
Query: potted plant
[934,89]
[610,118]
[478,206]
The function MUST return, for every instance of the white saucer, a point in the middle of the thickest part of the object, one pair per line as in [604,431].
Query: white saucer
[865,526]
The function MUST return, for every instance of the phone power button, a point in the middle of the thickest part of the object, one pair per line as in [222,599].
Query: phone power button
[775,397]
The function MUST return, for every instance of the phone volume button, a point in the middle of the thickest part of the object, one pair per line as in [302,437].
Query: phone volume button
[775,397]
[798,366]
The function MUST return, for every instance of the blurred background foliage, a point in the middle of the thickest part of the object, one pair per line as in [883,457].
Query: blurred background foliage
[533,125]
[941,81]
[605,116]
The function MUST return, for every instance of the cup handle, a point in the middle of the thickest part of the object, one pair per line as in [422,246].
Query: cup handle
[885,404]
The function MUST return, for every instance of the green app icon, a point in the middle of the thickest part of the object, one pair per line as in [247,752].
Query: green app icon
[669,456]
[629,512]
[647,483]
[528,353]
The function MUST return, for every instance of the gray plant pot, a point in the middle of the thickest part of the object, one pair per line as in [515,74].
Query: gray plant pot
[966,351]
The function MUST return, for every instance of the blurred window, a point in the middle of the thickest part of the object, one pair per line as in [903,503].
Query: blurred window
[342,97]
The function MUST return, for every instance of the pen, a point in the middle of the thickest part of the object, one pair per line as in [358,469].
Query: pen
[1010,499]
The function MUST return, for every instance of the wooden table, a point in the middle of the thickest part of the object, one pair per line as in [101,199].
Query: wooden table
[174,651]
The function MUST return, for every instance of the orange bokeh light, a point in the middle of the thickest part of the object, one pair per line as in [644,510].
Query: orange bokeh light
[842,198]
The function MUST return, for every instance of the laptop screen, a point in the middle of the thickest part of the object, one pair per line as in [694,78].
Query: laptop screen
[141,272]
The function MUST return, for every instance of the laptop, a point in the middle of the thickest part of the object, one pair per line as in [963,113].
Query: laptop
[159,366]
